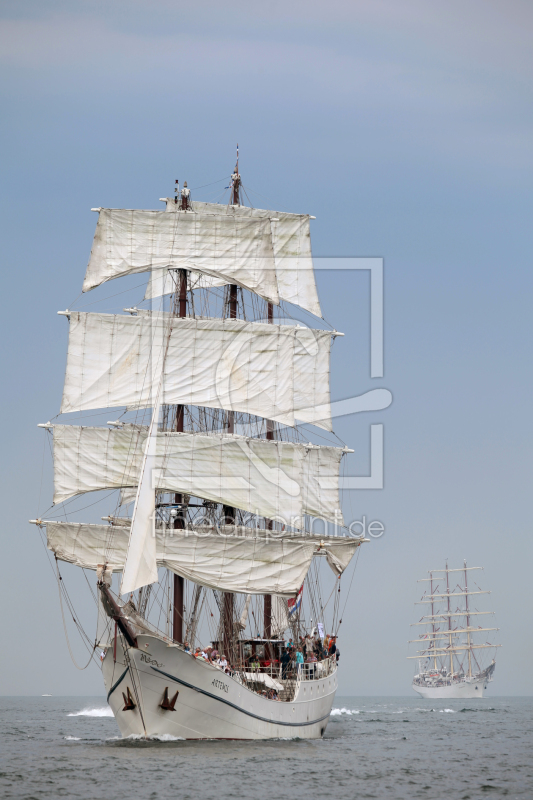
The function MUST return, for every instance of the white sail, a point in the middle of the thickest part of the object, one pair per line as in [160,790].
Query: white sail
[127,496]
[268,478]
[278,372]
[291,242]
[131,241]
[321,482]
[279,616]
[232,559]
[338,556]
[244,616]
[140,566]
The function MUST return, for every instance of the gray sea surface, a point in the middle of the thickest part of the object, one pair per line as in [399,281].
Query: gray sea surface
[374,747]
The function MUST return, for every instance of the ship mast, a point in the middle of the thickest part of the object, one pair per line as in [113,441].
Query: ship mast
[180,310]
[441,645]
[468,628]
[267,607]
[433,614]
[228,511]
[449,619]
[229,516]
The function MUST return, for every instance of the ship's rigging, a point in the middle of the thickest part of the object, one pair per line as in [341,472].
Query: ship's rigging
[192,296]
[452,646]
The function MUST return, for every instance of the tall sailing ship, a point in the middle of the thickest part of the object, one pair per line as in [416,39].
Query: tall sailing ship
[452,659]
[218,598]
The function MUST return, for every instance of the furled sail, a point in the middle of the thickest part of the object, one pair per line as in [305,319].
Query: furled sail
[264,477]
[230,559]
[291,243]
[130,241]
[279,372]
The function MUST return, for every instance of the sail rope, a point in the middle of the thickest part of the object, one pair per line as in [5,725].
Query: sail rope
[90,587]
[103,299]
[215,418]
[132,672]
[244,190]
[71,500]
[194,188]
[329,598]
[60,587]
[349,590]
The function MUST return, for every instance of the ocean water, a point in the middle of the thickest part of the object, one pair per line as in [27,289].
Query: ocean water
[69,747]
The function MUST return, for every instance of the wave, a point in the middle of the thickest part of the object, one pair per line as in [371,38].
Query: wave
[284,739]
[350,712]
[475,710]
[103,711]
[72,738]
[137,737]
[337,711]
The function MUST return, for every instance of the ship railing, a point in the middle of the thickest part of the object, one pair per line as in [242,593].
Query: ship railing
[313,671]
[291,678]
[290,681]
[317,669]
[306,672]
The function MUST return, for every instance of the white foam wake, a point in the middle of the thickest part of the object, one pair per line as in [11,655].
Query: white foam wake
[103,711]
[336,711]
[349,711]
[72,739]
[156,737]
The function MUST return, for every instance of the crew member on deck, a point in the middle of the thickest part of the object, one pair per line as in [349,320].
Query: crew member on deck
[285,663]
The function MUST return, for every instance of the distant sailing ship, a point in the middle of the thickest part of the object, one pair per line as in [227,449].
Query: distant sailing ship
[450,663]
[217,484]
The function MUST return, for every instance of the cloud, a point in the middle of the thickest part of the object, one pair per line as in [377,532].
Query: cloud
[480,33]
[454,78]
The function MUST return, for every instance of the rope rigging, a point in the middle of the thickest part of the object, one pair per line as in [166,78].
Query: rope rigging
[203,614]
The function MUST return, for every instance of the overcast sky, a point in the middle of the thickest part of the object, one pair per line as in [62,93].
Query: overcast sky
[405,127]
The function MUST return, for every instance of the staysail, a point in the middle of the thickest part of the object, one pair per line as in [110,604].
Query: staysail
[270,478]
[279,372]
[140,566]
[230,558]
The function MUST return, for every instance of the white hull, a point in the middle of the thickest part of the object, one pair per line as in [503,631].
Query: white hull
[210,704]
[464,689]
